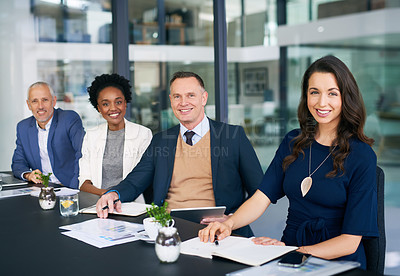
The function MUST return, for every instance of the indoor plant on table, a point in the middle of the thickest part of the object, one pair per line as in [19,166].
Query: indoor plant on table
[47,196]
[168,242]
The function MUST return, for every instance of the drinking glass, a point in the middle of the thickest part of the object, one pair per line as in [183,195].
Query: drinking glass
[69,205]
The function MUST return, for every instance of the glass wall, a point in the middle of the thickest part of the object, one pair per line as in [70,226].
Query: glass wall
[72,20]
[303,11]
[252,24]
[253,97]
[184,22]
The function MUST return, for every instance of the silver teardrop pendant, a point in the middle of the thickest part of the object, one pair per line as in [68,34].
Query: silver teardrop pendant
[306,185]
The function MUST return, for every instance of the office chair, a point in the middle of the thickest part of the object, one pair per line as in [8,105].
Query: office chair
[375,247]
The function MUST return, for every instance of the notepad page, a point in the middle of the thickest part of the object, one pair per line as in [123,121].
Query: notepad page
[247,252]
[195,247]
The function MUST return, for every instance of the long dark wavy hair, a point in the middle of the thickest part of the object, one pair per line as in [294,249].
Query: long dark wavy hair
[352,117]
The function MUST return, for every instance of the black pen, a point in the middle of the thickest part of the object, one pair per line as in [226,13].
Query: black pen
[216,240]
[106,207]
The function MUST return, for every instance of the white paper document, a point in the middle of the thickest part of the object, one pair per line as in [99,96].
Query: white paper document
[103,232]
[313,267]
[239,249]
[18,192]
[132,209]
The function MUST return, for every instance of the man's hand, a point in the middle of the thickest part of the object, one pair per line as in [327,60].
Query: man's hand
[215,229]
[107,203]
[267,241]
[207,221]
[33,176]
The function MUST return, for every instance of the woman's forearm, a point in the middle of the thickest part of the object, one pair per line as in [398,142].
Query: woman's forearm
[251,210]
[88,187]
[336,247]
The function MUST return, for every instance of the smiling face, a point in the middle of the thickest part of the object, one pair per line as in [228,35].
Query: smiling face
[41,103]
[188,99]
[324,99]
[111,104]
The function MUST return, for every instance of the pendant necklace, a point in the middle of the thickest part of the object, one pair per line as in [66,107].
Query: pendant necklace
[307,181]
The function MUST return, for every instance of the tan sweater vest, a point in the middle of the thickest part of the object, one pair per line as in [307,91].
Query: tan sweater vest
[191,183]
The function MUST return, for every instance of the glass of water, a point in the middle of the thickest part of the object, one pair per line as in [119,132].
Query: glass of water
[69,205]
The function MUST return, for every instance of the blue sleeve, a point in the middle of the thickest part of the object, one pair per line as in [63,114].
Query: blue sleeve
[249,166]
[360,216]
[140,177]
[76,134]
[272,183]
[19,162]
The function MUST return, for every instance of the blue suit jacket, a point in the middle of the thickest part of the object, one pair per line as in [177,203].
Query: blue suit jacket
[63,145]
[236,171]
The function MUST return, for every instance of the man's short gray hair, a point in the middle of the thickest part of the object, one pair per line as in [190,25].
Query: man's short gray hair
[41,83]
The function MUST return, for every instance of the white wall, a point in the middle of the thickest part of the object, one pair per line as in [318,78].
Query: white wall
[12,89]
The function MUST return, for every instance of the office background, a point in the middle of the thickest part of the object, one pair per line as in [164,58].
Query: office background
[269,46]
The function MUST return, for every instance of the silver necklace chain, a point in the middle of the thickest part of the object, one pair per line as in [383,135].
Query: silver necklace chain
[309,164]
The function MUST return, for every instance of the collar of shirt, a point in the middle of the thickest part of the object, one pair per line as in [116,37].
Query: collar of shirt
[200,130]
[47,127]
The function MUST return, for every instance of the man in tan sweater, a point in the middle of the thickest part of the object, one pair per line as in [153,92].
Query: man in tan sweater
[198,163]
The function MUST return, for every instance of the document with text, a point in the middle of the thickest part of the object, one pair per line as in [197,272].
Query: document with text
[103,232]
[239,249]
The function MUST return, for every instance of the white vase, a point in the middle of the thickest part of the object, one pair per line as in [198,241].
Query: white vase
[168,245]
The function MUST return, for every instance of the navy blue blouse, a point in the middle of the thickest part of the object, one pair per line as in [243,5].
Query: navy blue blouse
[345,204]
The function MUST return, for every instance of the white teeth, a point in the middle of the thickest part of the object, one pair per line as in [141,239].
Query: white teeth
[185,110]
[114,115]
[323,111]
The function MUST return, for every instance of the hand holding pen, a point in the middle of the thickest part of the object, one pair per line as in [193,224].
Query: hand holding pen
[107,203]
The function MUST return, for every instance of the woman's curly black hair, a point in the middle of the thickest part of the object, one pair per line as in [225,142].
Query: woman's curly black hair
[107,80]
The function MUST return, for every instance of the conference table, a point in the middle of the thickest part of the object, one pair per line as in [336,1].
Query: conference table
[31,243]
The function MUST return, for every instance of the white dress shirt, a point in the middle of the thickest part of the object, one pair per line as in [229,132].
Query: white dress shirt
[43,135]
[199,131]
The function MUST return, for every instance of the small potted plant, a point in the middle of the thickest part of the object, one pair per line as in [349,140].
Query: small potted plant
[160,214]
[47,196]
[159,225]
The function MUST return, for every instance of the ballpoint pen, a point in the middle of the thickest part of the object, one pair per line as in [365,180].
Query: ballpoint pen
[216,240]
[106,207]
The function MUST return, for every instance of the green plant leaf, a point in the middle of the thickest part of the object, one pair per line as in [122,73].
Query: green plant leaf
[45,178]
[160,214]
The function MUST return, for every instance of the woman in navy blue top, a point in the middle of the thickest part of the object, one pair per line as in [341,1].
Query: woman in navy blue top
[327,169]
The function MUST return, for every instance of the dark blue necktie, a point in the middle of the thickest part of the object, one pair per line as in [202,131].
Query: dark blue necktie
[189,134]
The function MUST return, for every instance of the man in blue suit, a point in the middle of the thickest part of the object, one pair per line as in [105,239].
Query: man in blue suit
[198,163]
[49,141]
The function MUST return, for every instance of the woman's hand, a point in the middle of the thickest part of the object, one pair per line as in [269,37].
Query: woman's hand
[215,229]
[267,241]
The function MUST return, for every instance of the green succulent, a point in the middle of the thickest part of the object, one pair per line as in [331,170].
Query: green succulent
[160,214]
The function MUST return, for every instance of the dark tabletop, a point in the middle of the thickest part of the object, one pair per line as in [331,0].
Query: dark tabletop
[31,243]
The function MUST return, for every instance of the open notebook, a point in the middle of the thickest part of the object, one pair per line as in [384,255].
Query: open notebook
[238,249]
